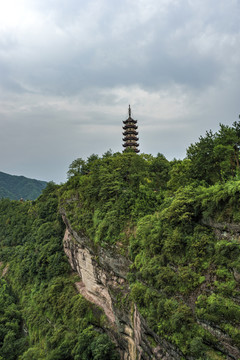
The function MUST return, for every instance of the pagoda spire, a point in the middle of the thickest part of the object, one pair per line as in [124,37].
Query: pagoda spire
[130,133]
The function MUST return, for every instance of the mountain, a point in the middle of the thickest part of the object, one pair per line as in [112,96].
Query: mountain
[16,187]
[134,258]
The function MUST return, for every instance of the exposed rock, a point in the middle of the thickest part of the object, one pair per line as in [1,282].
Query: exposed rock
[225,344]
[228,231]
[103,273]
[93,285]
[103,282]
[5,270]
[236,275]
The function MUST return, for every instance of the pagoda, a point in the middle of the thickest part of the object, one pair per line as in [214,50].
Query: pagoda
[130,133]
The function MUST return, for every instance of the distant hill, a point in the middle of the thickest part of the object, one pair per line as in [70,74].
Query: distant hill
[16,187]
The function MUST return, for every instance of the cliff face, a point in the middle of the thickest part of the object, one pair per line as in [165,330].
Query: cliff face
[103,274]
[103,282]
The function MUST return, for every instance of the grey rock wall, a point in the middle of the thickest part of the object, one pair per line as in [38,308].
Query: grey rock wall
[103,282]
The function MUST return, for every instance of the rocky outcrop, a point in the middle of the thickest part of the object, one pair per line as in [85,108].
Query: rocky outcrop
[94,282]
[223,231]
[225,344]
[103,274]
[3,269]
[229,232]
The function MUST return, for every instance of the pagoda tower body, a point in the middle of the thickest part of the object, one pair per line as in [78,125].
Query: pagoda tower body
[130,133]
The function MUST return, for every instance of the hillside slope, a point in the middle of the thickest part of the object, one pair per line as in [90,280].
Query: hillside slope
[16,187]
[163,264]
[134,258]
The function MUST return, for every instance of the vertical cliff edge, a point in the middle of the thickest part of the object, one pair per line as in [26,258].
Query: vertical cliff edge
[103,282]
[159,253]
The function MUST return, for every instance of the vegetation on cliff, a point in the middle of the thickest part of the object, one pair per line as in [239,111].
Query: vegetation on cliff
[177,221]
[42,315]
[184,279]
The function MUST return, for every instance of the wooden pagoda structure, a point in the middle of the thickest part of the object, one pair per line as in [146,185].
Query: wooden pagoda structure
[130,133]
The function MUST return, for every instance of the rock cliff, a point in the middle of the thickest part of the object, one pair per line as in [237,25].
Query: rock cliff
[103,282]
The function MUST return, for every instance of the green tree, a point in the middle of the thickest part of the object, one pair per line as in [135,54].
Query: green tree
[215,157]
[204,167]
[76,167]
[159,169]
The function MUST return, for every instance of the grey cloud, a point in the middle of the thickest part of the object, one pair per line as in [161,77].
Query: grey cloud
[67,80]
[122,60]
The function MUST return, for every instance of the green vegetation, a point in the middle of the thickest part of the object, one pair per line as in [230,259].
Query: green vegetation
[16,187]
[184,275]
[42,315]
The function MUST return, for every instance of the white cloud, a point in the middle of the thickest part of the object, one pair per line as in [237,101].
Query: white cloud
[69,69]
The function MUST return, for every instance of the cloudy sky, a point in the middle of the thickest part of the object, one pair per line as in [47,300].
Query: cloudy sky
[70,68]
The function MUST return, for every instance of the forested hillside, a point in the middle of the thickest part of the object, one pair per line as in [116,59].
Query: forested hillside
[16,187]
[42,315]
[176,222]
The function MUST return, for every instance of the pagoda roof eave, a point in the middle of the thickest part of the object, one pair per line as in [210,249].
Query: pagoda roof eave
[130,144]
[134,138]
[130,132]
[129,120]
[130,126]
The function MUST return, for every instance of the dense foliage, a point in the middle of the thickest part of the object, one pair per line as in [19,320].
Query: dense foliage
[183,279]
[113,192]
[16,187]
[184,275]
[215,157]
[42,315]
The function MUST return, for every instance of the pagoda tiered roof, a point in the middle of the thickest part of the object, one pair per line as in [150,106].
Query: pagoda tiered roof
[130,132]
[132,143]
[130,138]
[130,120]
[130,126]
